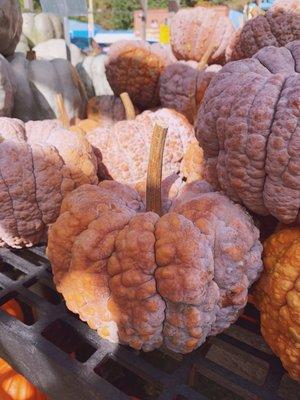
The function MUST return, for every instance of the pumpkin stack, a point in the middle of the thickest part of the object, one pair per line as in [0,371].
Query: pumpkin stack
[199,38]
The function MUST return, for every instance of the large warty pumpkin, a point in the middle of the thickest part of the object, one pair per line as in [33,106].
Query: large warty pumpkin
[248,126]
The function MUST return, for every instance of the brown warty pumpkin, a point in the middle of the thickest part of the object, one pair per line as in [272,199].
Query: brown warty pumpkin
[276,28]
[248,126]
[135,67]
[183,85]
[39,163]
[145,280]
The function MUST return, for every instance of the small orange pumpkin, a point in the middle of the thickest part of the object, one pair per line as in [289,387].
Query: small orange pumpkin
[14,386]
[277,296]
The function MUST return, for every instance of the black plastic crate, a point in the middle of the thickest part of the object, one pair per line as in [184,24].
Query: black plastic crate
[64,358]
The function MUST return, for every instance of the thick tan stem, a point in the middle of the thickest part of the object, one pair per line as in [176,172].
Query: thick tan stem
[62,113]
[155,164]
[209,51]
[129,107]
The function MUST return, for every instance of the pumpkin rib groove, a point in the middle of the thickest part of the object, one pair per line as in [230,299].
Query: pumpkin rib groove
[35,184]
[11,201]
[271,30]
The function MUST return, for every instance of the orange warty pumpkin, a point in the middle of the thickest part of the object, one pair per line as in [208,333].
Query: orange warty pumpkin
[14,386]
[193,31]
[146,278]
[277,295]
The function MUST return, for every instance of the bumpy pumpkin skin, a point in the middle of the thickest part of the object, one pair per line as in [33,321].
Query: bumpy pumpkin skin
[10,26]
[287,5]
[125,147]
[193,30]
[39,163]
[277,295]
[135,67]
[248,126]
[276,28]
[146,280]
[183,85]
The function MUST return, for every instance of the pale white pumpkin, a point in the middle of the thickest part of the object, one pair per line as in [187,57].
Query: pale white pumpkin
[7,88]
[38,28]
[93,76]
[10,26]
[39,81]
[56,48]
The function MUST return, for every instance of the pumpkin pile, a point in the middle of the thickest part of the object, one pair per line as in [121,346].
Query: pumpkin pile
[107,157]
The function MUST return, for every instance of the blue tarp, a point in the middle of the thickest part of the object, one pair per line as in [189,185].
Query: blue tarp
[236,18]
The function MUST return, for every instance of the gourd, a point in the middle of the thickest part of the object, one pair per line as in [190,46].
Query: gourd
[56,48]
[38,82]
[92,73]
[10,26]
[38,28]
[277,296]
[183,85]
[194,30]
[146,279]
[277,28]
[135,67]
[39,163]
[248,126]
[7,88]
[14,386]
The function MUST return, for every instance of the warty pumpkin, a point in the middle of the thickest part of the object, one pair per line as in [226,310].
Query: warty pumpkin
[183,85]
[10,26]
[248,126]
[123,150]
[277,296]
[145,279]
[14,386]
[39,163]
[276,28]
[38,28]
[134,66]
[193,30]
[37,83]
[287,5]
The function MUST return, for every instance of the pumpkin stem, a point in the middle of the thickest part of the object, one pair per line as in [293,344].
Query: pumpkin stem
[209,51]
[154,173]
[129,107]
[31,55]
[62,112]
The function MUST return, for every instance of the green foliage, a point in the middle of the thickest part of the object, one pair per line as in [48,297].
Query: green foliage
[36,5]
[118,14]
